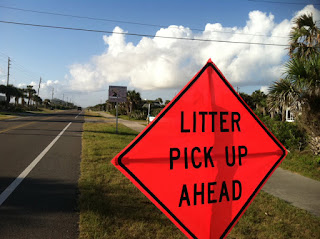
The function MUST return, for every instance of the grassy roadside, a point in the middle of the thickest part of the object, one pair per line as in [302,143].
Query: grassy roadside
[44,111]
[126,117]
[6,116]
[111,207]
[304,163]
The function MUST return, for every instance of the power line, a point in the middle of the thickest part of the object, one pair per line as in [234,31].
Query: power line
[277,2]
[142,35]
[15,66]
[126,22]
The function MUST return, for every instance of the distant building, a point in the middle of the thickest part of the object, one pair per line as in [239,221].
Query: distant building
[289,115]
[2,98]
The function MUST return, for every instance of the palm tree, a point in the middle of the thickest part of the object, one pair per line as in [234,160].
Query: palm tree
[24,95]
[18,94]
[133,100]
[283,94]
[30,92]
[9,91]
[37,99]
[304,37]
[46,102]
[300,89]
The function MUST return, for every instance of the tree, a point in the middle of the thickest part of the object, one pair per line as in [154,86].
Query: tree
[300,88]
[18,94]
[37,99]
[304,37]
[46,102]
[30,92]
[23,96]
[159,100]
[248,99]
[133,100]
[10,91]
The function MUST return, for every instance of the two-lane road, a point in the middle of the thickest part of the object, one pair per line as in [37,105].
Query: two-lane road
[39,170]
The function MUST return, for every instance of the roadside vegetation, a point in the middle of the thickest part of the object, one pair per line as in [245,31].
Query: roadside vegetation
[27,99]
[112,207]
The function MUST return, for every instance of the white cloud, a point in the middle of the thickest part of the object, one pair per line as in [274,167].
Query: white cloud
[264,89]
[157,63]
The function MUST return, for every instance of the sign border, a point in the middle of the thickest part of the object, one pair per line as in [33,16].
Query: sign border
[209,64]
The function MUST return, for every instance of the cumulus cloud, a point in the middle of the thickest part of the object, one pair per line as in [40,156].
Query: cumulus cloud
[158,63]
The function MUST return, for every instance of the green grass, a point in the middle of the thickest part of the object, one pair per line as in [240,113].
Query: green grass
[271,217]
[112,207]
[44,111]
[304,163]
[126,117]
[4,117]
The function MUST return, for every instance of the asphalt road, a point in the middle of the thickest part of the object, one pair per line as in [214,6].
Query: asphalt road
[39,172]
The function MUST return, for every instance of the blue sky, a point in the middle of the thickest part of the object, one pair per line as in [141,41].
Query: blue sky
[79,64]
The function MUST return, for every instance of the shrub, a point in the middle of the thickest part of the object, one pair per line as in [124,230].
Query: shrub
[138,115]
[289,134]
[155,112]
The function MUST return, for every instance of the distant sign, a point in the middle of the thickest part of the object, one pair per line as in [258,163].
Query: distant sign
[117,94]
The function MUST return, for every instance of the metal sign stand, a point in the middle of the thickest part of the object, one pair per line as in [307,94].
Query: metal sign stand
[116,117]
[117,94]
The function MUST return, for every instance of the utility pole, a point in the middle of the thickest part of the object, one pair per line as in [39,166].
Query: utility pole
[52,94]
[8,70]
[39,86]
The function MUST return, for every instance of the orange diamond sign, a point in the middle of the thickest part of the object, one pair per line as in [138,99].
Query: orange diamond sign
[204,158]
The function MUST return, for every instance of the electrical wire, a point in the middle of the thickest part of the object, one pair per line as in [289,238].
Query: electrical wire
[277,2]
[127,22]
[141,35]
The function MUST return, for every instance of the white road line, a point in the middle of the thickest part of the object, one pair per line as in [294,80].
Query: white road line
[78,115]
[17,118]
[6,193]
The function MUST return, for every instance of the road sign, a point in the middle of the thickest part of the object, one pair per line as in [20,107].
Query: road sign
[204,158]
[117,94]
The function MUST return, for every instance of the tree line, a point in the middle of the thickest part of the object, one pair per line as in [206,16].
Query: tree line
[28,93]
[28,99]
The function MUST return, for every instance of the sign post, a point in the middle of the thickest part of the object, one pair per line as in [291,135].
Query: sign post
[117,94]
[204,158]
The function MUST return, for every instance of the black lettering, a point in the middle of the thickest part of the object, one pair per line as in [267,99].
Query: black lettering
[192,158]
[184,195]
[207,156]
[222,121]
[201,193]
[224,192]
[213,119]
[211,192]
[233,156]
[182,124]
[235,121]
[174,157]
[241,155]
[203,120]
[194,121]
[185,158]
[234,197]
